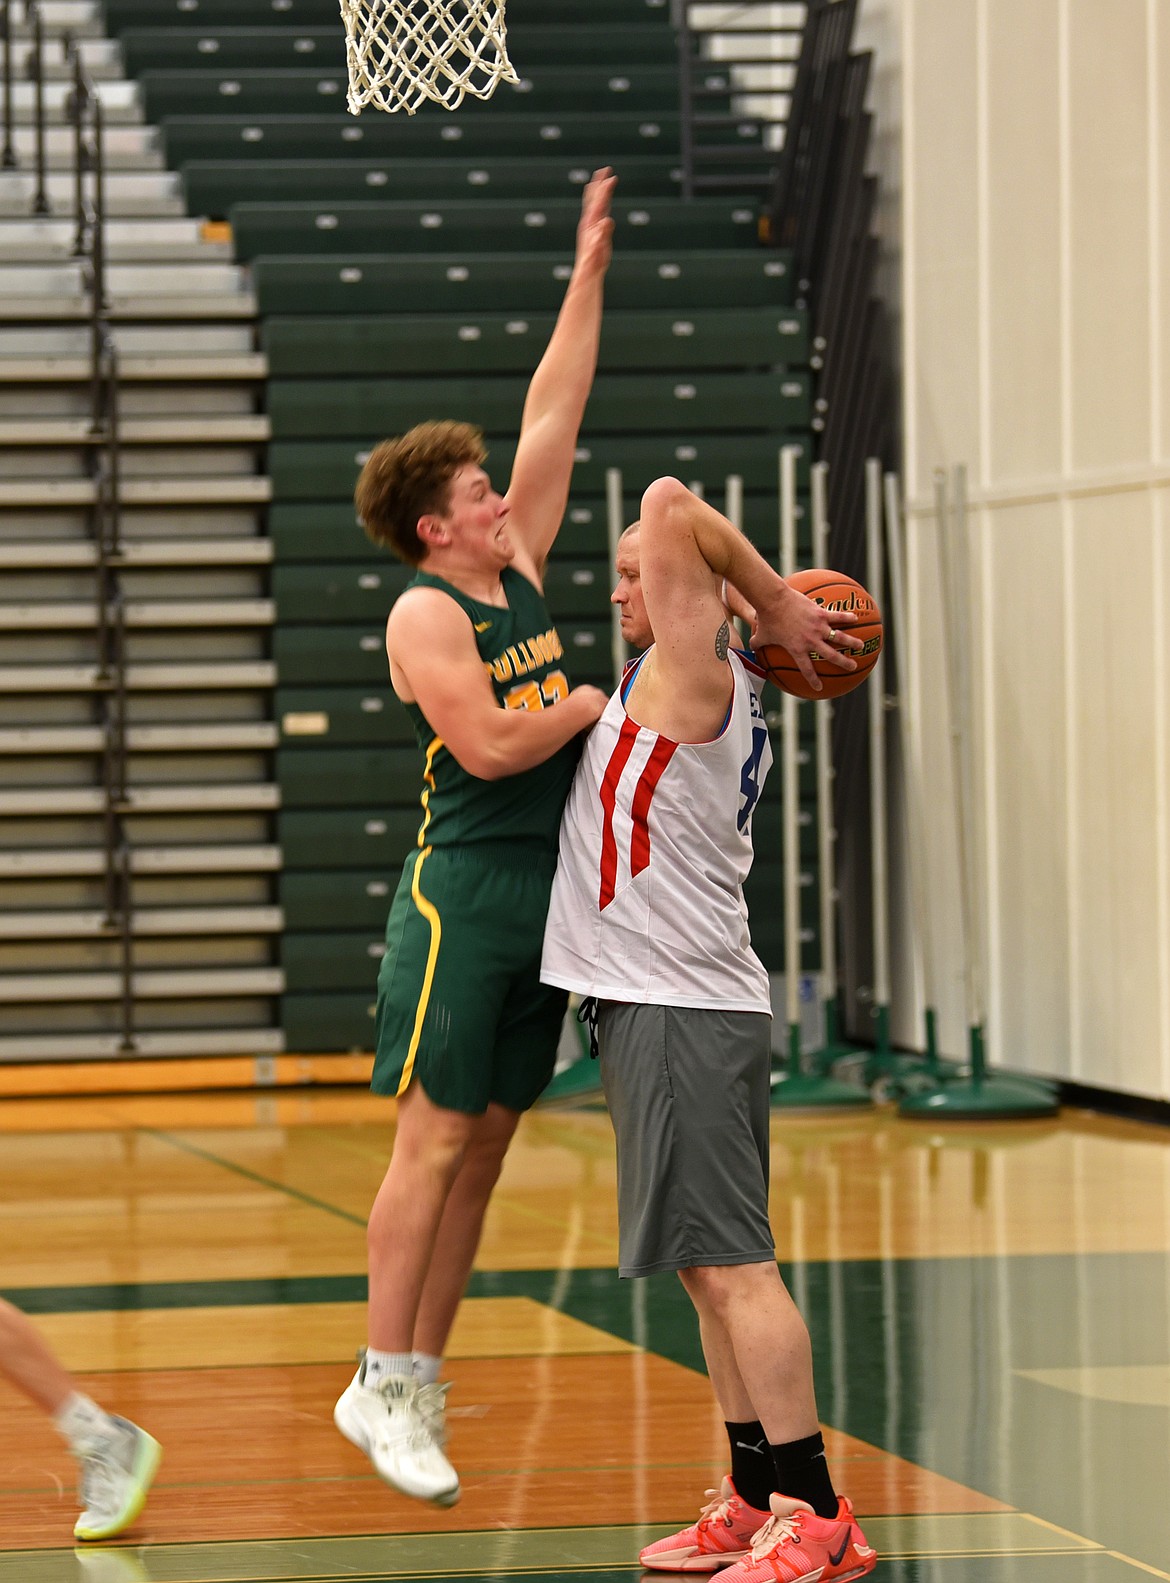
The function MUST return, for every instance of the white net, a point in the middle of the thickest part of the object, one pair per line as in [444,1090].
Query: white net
[401,53]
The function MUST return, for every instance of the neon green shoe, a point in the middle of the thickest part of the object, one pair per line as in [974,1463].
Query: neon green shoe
[116,1473]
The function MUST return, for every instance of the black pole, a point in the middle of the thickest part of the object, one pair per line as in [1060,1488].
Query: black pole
[77,109]
[9,159]
[41,200]
[686,104]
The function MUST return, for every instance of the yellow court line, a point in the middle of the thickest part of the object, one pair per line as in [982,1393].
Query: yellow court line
[1116,1555]
[1142,1566]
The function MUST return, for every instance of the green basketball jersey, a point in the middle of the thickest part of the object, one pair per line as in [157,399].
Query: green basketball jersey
[522,655]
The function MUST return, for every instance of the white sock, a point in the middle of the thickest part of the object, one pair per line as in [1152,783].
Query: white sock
[81,1421]
[427,1368]
[381,1364]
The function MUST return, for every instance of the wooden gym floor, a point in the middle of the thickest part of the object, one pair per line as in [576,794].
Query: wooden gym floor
[990,1309]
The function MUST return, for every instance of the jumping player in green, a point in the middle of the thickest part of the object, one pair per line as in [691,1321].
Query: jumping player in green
[466,1034]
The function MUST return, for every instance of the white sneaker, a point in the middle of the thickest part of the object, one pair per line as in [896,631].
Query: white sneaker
[432,1404]
[116,1473]
[386,1422]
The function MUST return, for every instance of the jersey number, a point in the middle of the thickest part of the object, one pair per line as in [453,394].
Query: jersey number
[538,695]
[749,778]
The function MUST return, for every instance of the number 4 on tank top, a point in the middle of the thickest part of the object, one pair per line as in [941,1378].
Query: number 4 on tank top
[749,777]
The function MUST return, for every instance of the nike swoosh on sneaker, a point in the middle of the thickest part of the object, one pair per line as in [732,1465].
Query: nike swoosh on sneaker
[836,1560]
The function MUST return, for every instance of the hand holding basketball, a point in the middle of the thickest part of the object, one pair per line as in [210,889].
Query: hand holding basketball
[821,660]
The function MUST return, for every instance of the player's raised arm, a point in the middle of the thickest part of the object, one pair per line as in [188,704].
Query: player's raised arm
[686,549]
[434,663]
[560,387]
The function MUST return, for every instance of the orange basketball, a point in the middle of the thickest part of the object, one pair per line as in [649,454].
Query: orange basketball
[833,591]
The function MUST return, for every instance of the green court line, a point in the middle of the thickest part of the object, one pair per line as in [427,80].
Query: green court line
[117,1297]
[253,1176]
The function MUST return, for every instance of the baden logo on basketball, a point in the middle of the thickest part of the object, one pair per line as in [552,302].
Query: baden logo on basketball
[833,592]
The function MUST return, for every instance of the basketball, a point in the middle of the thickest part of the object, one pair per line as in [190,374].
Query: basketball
[832,591]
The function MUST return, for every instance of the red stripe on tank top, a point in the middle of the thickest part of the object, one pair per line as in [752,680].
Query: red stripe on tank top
[609,784]
[643,796]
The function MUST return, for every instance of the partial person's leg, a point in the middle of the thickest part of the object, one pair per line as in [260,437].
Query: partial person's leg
[27,1361]
[460,1228]
[430,1145]
[118,1459]
[753,1473]
[811,1529]
[452,1258]
[760,1344]
[380,1411]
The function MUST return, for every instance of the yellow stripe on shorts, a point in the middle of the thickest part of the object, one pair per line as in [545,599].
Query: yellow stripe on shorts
[431,914]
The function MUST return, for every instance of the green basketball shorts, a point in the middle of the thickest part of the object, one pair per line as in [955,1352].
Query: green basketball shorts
[460,1003]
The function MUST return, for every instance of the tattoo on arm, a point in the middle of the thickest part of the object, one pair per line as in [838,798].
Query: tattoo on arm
[722,641]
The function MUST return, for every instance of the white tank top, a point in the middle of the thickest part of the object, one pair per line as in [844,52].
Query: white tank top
[656,842]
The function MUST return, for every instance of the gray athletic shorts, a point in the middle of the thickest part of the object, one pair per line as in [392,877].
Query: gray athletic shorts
[688,1093]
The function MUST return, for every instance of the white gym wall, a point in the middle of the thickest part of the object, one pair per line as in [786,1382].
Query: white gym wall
[1025,150]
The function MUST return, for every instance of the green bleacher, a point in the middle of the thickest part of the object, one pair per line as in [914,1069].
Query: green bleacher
[503,343]
[409,267]
[492,225]
[529,282]
[323,48]
[340,136]
[208,15]
[290,90]
[212,187]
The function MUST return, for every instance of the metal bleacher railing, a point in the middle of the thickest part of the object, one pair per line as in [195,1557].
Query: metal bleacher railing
[102,452]
[748,51]
[822,209]
[89,246]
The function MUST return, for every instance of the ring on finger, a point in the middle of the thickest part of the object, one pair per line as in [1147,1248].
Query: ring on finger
[832,634]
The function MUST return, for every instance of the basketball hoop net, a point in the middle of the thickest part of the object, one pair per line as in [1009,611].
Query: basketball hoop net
[400,53]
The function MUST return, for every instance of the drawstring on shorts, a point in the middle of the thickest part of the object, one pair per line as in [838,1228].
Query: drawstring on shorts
[587,1017]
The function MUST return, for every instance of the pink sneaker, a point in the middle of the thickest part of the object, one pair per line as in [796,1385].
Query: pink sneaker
[797,1544]
[722,1535]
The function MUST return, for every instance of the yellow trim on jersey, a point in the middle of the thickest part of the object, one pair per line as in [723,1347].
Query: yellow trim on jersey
[430,913]
[428,787]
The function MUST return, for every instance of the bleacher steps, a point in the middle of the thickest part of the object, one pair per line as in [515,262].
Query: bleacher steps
[127,241]
[17,679]
[165,291]
[123,309]
[237,490]
[74,615]
[149,922]
[82,18]
[59,555]
[128,147]
[251,429]
[101,58]
[121,102]
[217,366]
[153,1045]
[128,193]
[75,862]
[147,985]
[259,736]
[252,797]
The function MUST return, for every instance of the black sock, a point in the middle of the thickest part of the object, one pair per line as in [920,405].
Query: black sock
[803,1474]
[752,1470]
